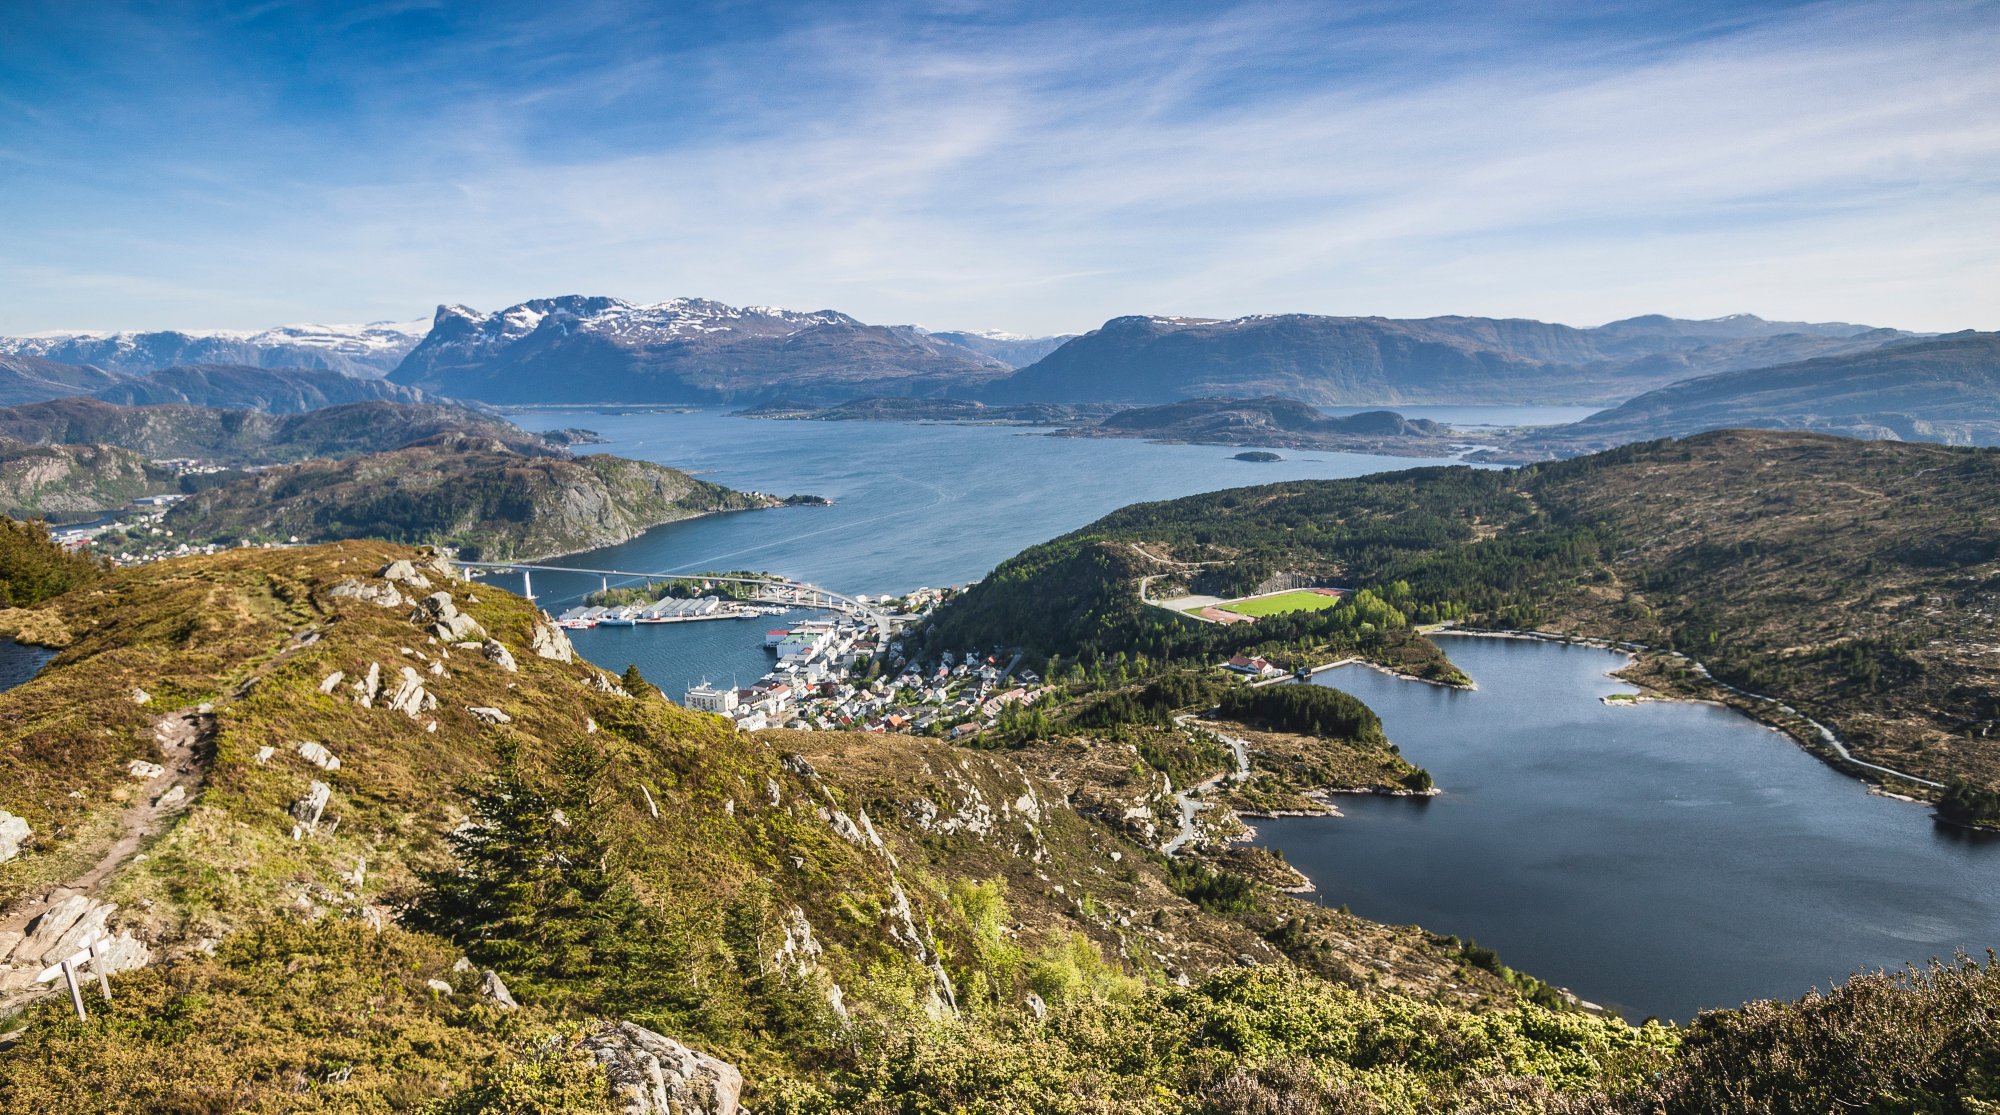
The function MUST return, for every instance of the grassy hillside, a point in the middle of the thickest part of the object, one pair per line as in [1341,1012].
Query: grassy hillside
[856,923]
[479,494]
[1854,580]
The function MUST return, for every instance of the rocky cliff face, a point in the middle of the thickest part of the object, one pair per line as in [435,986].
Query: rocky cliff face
[68,481]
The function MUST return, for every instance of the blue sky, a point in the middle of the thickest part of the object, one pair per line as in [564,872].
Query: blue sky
[1032,167]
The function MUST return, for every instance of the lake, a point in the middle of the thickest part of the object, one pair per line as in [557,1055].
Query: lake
[19,662]
[1659,858]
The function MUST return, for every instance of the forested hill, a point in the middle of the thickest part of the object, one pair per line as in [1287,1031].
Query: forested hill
[478,493]
[1856,580]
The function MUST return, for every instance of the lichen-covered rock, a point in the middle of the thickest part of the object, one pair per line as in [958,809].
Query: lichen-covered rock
[332,681]
[652,1074]
[141,769]
[308,810]
[442,616]
[410,698]
[497,653]
[369,592]
[405,573]
[491,986]
[14,832]
[317,754]
[549,641]
[490,715]
[368,686]
[603,684]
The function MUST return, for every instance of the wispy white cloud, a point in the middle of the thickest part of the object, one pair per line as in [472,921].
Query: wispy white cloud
[1831,161]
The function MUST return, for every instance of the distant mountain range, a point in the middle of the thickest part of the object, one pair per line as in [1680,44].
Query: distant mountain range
[578,349]
[1011,349]
[1661,375]
[242,436]
[273,390]
[1371,361]
[1944,389]
[29,379]
[371,350]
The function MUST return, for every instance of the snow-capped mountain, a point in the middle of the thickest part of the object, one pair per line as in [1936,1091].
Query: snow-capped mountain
[1016,350]
[587,349]
[367,351]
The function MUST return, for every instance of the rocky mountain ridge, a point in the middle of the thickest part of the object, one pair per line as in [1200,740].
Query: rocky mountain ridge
[1376,361]
[1942,389]
[596,349]
[252,437]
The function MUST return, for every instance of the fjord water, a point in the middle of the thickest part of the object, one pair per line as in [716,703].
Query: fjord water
[1660,858]
[915,504]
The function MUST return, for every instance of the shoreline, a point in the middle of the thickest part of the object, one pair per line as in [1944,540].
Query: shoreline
[1816,745]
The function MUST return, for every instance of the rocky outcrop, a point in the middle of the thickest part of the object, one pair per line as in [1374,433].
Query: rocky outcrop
[550,642]
[651,1074]
[497,653]
[411,698]
[318,755]
[495,990]
[441,616]
[68,924]
[368,686]
[380,595]
[14,832]
[404,572]
[308,810]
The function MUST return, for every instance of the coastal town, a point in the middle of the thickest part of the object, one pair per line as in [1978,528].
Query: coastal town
[845,672]
[841,674]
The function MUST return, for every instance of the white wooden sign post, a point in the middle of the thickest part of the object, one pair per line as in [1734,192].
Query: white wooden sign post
[92,950]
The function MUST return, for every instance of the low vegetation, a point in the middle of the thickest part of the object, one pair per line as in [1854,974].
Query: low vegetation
[859,923]
[1854,581]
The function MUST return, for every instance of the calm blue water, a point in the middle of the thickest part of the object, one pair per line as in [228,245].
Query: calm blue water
[917,504]
[18,663]
[1659,858]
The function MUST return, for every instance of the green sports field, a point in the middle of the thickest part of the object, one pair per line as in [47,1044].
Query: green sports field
[1300,601]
